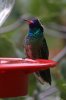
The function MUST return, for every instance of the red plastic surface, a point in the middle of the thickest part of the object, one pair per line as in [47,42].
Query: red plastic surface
[13,84]
[14,74]
[25,64]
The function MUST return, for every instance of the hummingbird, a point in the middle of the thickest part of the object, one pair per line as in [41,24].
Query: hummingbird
[35,47]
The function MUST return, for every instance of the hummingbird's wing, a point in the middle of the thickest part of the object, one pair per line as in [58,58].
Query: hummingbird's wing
[43,75]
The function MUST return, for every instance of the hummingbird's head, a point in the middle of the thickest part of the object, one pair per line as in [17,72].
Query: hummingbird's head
[34,23]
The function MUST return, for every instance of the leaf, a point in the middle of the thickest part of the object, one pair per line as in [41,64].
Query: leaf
[7,49]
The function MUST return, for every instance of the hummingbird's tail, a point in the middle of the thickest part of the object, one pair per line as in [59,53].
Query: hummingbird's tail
[43,76]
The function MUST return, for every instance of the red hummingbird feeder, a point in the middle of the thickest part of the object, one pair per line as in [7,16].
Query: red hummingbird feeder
[14,74]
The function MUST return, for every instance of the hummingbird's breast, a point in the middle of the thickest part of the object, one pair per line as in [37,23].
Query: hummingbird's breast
[32,47]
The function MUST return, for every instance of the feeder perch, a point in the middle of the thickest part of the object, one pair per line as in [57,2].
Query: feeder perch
[14,74]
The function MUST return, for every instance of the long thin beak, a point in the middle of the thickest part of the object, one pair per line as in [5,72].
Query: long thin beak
[28,21]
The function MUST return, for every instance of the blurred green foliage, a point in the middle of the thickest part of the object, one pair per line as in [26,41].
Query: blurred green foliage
[7,48]
[63,68]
